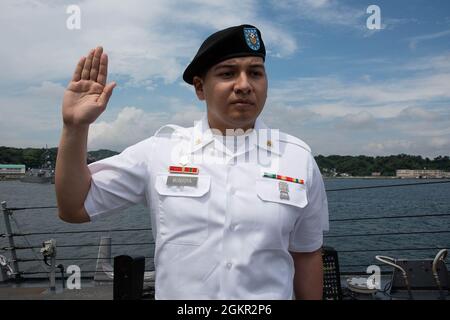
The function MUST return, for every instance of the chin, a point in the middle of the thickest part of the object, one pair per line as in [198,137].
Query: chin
[243,120]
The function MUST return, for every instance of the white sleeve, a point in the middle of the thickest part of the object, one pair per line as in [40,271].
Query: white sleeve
[307,235]
[119,181]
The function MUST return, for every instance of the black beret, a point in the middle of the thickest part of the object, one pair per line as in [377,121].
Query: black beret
[238,41]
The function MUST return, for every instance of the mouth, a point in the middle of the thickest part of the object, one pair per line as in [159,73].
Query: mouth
[243,103]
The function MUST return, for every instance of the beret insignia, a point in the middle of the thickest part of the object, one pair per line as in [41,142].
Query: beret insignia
[252,39]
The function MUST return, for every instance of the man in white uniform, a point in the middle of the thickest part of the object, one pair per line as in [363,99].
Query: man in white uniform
[238,210]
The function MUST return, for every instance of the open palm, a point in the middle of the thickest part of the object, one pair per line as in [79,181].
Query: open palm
[87,94]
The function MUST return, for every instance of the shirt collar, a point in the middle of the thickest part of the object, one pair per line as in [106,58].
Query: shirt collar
[201,135]
[261,136]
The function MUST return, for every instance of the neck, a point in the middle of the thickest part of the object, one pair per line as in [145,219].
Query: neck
[230,130]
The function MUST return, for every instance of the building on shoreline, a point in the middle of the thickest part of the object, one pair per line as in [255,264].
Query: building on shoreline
[11,171]
[425,174]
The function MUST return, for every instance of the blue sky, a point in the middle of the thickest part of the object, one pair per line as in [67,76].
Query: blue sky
[342,88]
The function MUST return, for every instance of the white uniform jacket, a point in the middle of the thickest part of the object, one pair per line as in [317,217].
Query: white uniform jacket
[225,232]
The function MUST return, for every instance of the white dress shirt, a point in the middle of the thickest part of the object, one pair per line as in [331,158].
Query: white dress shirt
[229,235]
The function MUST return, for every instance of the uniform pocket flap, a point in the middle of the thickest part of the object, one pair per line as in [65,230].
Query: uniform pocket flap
[269,190]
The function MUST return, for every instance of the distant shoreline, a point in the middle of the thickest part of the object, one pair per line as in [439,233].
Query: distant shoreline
[363,177]
[3,178]
[384,177]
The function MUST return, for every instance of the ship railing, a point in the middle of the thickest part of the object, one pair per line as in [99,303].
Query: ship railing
[14,248]
[347,268]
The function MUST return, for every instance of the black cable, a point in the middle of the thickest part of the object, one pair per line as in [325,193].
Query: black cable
[30,208]
[394,217]
[80,245]
[81,231]
[84,272]
[328,190]
[384,234]
[388,249]
[71,259]
[388,186]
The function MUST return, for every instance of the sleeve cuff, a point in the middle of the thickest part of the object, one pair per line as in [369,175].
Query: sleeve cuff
[89,206]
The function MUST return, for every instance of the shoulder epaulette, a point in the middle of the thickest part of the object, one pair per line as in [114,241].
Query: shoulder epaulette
[284,137]
[175,130]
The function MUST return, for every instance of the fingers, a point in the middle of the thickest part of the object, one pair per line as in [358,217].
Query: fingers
[93,67]
[106,94]
[78,69]
[103,71]
[95,63]
[87,66]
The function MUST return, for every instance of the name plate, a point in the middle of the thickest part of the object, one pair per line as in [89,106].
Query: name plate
[182,181]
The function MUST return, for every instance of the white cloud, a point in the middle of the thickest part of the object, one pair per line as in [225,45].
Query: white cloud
[402,114]
[144,39]
[430,147]
[35,108]
[287,118]
[418,113]
[30,117]
[439,63]
[420,127]
[317,3]
[442,142]
[133,125]
[148,42]
[46,89]
[326,12]
[396,108]
[361,120]
[130,126]
[414,41]
[390,147]
[334,97]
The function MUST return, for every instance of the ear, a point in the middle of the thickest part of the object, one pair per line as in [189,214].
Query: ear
[198,86]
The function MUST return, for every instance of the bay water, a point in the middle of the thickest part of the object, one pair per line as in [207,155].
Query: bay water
[353,239]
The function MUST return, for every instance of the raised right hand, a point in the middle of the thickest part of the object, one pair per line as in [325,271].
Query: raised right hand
[87,94]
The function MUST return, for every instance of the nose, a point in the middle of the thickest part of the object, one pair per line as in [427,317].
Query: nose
[242,85]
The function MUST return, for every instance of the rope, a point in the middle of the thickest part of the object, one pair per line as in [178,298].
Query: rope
[112,244]
[388,186]
[30,208]
[393,217]
[72,259]
[328,190]
[388,249]
[81,231]
[2,235]
[384,234]
[149,229]
[365,265]
[81,245]
[84,272]
[358,265]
